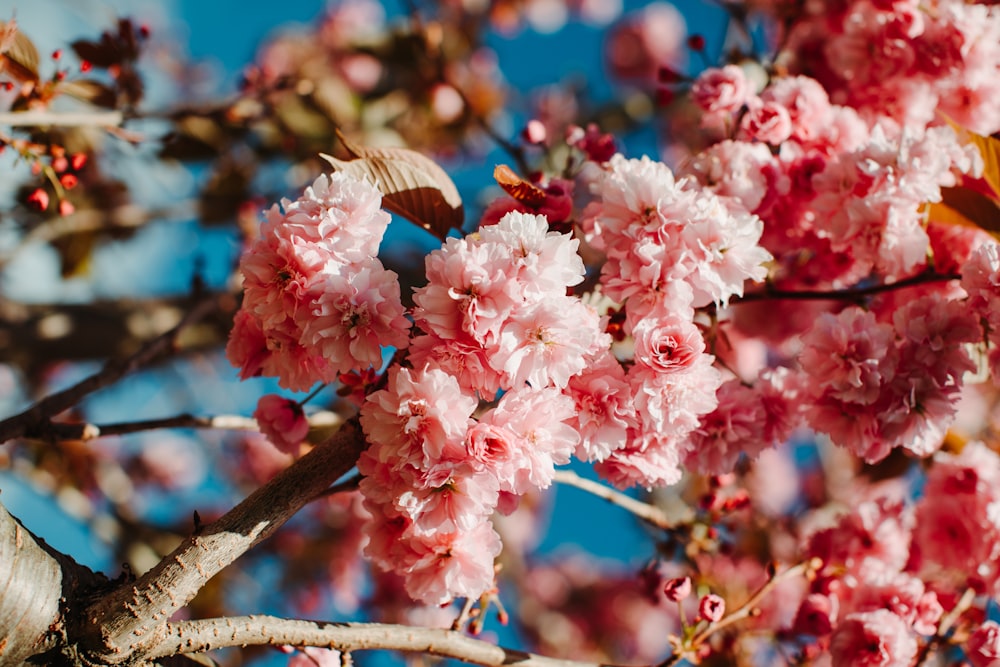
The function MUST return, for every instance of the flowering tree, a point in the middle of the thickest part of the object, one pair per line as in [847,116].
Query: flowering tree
[776,348]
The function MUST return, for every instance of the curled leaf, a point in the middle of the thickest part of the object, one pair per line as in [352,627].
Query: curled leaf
[523,191]
[18,55]
[413,186]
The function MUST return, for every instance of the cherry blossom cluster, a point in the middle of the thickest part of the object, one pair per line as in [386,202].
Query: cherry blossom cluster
[671,247]
[495,316]
[891,569]
[844,194]
[317,301]
[905,60]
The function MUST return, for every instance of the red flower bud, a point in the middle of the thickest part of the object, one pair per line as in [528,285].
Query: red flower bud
[39,199]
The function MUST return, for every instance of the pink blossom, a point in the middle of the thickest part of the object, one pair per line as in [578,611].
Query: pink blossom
[604,410]
[652,461]
[463,501]
[721,90]
[981,281]
[462,358]
[816,615]
[983,646]
[877,638]
[541,437]
[872,539]
[247,347]
[547,262]
[471,291]
[452,564]
[548,342]
[768,122]
[424,414]
[667,344]
[734,428]
[734,169]
[352,314]
[282,421]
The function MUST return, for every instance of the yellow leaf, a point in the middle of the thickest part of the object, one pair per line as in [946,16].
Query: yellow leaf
[967,208]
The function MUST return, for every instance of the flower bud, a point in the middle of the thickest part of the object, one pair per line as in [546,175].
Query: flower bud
[677,589]
[712,608]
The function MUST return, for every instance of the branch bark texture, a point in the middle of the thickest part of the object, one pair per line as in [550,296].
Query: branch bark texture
[210,634]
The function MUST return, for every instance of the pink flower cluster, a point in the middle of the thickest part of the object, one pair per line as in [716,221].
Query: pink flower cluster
[888,566]
[671,247]
[496,317]
[317,301]
[874,386]
[844,193]
[903,59]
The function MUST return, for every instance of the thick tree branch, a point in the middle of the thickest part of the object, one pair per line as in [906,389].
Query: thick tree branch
[35,582]
[210,634]
[132,620]
[32,422]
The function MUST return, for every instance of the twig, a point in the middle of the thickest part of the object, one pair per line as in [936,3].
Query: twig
[62,118]
[34,420]
[211,634]
[83,431]
[645,511]
[852,294]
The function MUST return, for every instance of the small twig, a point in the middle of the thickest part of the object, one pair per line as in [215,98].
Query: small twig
[62,118]
[35,420]
[852,294]
[645,511]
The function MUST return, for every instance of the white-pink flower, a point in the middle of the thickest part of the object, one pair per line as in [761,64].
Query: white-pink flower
[548,342]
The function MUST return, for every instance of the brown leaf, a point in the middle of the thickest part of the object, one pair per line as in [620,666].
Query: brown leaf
[91,91]
[967,208]
[413,186]
[523,191]
[18,55]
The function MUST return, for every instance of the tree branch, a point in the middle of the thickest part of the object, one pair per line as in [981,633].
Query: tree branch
[851,294]
[83,431]
[132,620]
[33,421]
[62,118]
[648,513]
[211,634]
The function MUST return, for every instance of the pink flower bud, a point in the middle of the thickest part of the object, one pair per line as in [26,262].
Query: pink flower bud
[535,132]
[677,589]
[712,607]
[282,421]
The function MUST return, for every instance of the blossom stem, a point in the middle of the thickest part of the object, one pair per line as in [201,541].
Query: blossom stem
[61,118]
[644,511]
